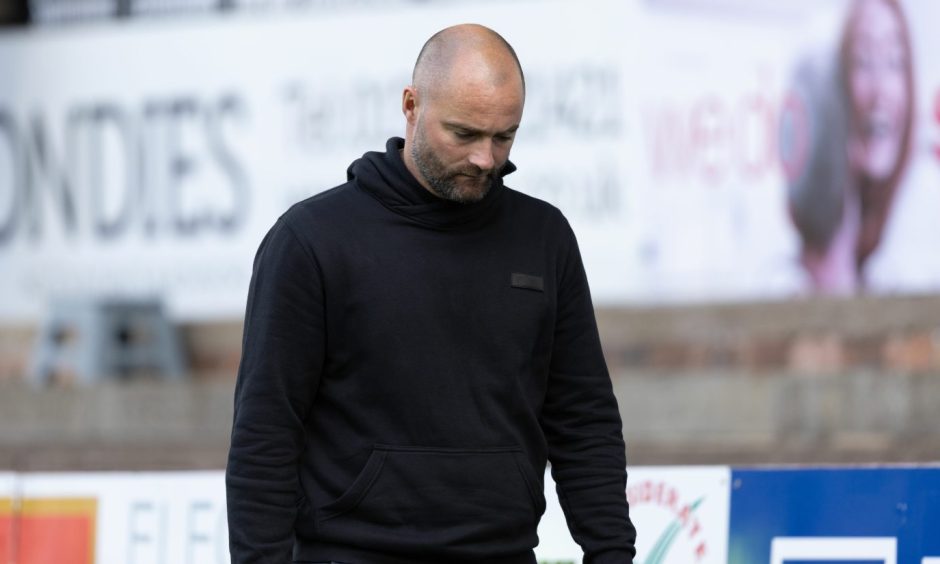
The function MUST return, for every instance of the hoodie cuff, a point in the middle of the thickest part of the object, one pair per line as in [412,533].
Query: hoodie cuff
[611,557]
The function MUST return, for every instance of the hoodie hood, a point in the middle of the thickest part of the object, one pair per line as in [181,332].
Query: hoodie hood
[385,177]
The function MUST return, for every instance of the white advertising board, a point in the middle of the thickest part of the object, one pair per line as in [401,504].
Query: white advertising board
[151,157]
[136,518]
[681,515]
[176,517]
[7,485]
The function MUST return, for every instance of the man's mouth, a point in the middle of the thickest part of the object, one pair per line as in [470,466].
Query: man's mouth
[477,178]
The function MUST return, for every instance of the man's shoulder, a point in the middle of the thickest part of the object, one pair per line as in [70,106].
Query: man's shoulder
[527,202]
[326,201]
[328,205]
[535,208]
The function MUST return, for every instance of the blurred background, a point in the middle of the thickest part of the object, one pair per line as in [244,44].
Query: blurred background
[755,186]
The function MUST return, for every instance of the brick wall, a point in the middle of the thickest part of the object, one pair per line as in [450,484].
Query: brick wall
[810,336]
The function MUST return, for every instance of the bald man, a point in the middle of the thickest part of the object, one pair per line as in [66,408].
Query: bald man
[419,342]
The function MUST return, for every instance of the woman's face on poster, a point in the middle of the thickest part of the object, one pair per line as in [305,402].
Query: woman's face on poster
[878,87]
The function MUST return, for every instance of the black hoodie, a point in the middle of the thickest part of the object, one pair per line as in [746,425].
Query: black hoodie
[409,364]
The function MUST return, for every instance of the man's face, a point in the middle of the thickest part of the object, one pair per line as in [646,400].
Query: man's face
[462,138]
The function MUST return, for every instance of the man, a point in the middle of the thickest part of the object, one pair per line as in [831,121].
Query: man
[418,341]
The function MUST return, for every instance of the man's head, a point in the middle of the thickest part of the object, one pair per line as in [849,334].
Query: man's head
[462,111]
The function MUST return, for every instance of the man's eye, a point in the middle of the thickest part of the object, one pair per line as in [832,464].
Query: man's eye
[463,135]
[504,138]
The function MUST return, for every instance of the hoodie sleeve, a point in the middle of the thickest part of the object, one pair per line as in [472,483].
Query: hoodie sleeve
[582,424]
[282,358]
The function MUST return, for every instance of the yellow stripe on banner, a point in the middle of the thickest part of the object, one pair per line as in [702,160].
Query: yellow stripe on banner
[6,506]
[38,506]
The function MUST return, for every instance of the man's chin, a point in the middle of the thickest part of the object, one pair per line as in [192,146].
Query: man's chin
[470,195]
[463,192]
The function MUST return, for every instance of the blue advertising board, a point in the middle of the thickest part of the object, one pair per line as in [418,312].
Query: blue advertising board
[885,515]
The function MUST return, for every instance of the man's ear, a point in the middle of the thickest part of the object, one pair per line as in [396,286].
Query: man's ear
[409,104]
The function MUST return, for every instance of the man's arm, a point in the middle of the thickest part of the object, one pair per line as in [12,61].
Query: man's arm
[582,424]
[282,357]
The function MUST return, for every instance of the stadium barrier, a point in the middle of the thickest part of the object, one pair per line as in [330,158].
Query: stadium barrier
[684,515]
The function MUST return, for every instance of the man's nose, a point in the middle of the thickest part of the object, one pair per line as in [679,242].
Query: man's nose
[482,155]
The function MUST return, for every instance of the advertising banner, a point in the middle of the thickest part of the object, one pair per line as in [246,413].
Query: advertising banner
[131,518]
[682,513]
[762,150]
[151,158]
[835,516]
[173,517]
[7,491]
[784,149]
[681,516]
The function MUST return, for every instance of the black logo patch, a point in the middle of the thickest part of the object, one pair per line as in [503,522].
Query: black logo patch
[527,282]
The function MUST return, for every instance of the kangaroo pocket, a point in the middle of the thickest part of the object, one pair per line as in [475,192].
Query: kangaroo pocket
[467,503]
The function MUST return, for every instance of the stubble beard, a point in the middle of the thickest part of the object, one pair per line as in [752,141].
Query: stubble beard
[444,182]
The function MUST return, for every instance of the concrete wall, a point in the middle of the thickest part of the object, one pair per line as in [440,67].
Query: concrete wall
[799,382]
